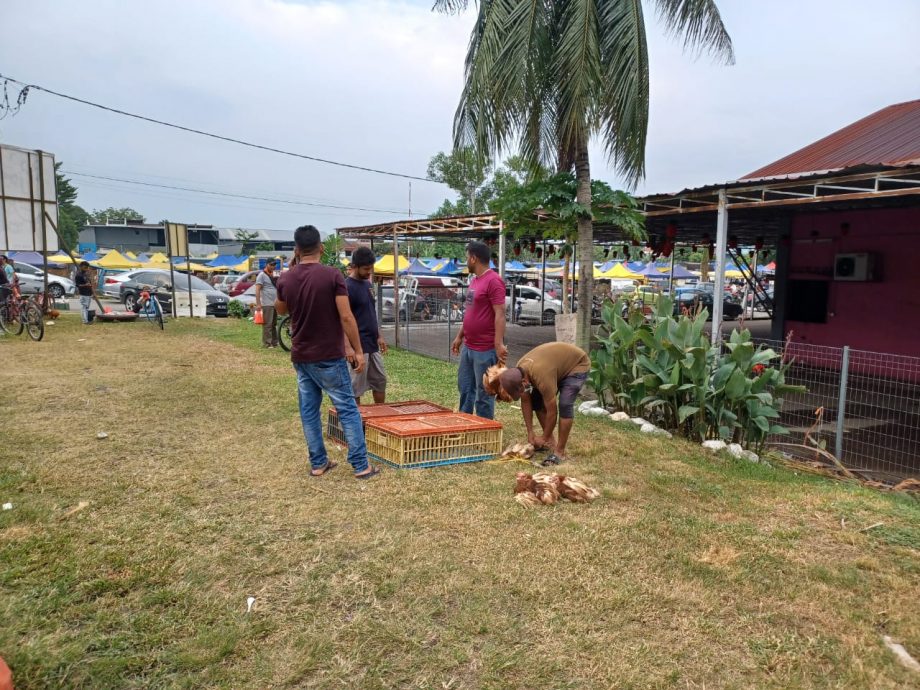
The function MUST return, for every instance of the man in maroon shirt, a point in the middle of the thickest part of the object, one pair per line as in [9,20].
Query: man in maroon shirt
[483,331]
[321,318]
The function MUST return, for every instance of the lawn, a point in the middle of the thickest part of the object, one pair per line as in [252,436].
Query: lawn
[690,571]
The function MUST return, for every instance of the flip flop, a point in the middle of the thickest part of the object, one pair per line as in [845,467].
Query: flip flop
[551,460]
[373,473]
[328,467]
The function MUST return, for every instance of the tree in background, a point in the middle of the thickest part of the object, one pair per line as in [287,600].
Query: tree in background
[547,76]
[71,217]
[116,215]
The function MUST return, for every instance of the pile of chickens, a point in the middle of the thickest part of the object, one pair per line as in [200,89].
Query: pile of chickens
[546,488]
[524,451]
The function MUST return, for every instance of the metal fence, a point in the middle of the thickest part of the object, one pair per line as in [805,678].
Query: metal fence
[869,402]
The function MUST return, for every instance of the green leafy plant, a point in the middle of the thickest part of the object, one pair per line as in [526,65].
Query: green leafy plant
[237,309]
[664,367]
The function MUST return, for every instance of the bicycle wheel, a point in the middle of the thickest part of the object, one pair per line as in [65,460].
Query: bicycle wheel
[12,318]
[5,324]
[34,323]
[284,333]
[157,313]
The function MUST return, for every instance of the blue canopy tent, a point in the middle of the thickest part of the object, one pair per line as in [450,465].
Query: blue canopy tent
[225,260]
[417,268]
[31,258]
[91,256]
[680,273]
[515,266]
[635,266]
[143,257]
[448,268]
[652,273]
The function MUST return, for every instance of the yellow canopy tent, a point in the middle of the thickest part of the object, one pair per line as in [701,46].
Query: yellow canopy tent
[385,265]
[130,254]
[733,273]
[63,259]
[241,267]
[159,258]
[114,259]
[212,255]
[620,271]
[161,265]
[194,267]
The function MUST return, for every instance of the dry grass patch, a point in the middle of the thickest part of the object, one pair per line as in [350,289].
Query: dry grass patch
[690,571]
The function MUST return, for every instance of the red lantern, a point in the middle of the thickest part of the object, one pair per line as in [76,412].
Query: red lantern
[733,242]
[533,246]
[706,239]
[671,231]
[517,248]
[606,252]
[539,252]
[635,243]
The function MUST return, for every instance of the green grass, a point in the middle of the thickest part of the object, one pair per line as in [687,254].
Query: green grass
[690,571]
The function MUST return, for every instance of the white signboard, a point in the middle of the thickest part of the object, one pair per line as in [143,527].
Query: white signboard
[28,201]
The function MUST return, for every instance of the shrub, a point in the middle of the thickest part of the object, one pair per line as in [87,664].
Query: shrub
[237,309]
[665,367]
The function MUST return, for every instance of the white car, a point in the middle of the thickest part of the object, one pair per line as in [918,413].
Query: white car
[528,306]
[111,282]
[31,279]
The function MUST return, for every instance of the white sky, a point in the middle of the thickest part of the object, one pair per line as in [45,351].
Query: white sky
[376,82]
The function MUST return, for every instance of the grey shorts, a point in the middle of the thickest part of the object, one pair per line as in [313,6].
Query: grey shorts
[373,378]
[569,388]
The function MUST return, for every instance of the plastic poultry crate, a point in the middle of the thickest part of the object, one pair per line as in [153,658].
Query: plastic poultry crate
[379,410]
[432,440]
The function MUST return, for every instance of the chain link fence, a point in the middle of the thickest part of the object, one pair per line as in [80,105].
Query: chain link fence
[869,402]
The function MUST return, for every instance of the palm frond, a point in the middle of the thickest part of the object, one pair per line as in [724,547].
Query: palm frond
[700,24]
[577,71]
[623,97]
[450,6]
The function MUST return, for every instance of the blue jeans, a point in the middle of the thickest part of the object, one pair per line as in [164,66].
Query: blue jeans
[86,303]
[331,376]
[473,365]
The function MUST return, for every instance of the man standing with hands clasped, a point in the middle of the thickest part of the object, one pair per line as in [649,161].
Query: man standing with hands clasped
[361,300]
[317,299]
[481,340]
[266,293]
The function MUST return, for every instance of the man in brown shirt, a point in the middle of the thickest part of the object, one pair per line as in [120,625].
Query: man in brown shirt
[543,373]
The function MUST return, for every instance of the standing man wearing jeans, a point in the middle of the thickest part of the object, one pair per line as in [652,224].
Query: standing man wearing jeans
[85,289]
[481,340]
[317,300]
[266,294]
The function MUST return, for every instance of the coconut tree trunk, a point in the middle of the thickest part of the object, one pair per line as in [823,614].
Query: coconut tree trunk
[566,302]
[585,249]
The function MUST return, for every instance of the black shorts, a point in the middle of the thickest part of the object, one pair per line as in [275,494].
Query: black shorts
[569,388]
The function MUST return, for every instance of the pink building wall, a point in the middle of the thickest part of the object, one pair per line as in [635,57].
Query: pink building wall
[882,316]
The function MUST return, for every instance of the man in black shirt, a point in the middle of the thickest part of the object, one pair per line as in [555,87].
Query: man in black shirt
[85,289]
[373,376]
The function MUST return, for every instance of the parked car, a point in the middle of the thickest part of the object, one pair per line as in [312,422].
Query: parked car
[31,279]
[110,281]
[692,299]
[224,282]
[131,288]
[419,307]
[528,307]
[247,299]
[243,283]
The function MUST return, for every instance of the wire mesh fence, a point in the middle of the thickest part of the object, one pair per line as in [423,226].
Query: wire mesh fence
[869,402]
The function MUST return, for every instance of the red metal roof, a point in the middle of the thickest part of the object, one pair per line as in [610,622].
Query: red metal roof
[890,136]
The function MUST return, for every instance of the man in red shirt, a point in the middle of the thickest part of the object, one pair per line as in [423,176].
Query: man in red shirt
[481,340]
[321,319]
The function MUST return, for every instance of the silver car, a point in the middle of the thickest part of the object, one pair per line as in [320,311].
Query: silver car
[31,279]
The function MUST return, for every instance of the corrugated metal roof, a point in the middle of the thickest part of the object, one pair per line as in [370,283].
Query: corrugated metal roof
[890,136]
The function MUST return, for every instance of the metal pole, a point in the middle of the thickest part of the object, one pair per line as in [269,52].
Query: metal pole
[671,277]
[718,296]
[41,196]
[543,283]
[172,275]
[188,267]
[842,401]
[501,250]
[396,290]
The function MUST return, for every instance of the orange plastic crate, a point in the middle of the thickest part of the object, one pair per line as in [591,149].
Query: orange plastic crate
[394,409]
[432,440]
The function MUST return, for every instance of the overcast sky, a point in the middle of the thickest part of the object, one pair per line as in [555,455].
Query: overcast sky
[376,83]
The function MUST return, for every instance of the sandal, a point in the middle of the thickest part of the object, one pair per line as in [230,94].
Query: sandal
[328,467]
[550,460]
[373,473]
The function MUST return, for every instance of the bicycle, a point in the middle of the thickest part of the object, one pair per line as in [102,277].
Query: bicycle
[21,313]
[150,306]
[284,332]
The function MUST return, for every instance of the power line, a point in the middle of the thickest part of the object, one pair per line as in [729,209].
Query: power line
[26,87]
[229,194]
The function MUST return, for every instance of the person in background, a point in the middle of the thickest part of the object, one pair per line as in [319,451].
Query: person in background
[543,373]
[361,299]
[480,343]
[321,319]
[84,283]
[6,283]
[266,294]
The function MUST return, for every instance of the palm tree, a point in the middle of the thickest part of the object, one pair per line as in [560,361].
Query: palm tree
[547,75]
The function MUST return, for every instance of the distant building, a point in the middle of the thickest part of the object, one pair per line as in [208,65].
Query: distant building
[256,240]
[145,237]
